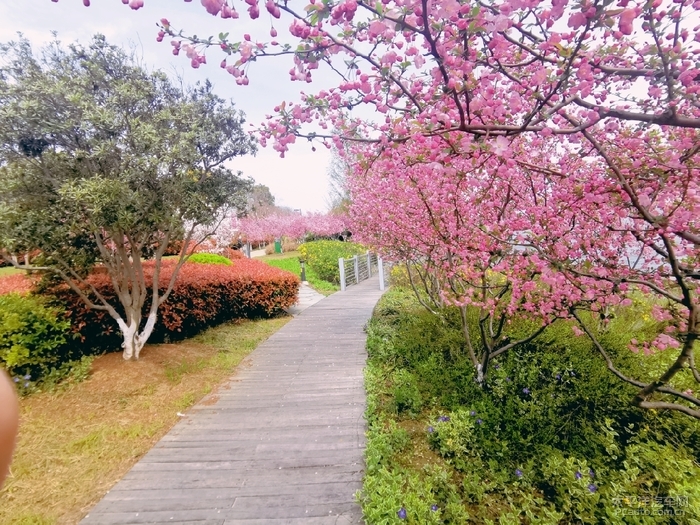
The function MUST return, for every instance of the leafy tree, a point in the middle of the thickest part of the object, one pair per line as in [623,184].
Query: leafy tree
[261,202]
[103,162]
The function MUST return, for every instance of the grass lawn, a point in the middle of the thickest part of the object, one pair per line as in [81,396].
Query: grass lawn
[76,443]
[275,256]
[9,270]
[290,261]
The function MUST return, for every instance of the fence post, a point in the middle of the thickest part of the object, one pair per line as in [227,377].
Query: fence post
[380,267]
[247,250]
[356,263]
[341,267]
[369,265]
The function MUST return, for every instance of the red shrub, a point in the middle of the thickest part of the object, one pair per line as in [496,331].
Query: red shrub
[204,295]
[18,282]
[233,254]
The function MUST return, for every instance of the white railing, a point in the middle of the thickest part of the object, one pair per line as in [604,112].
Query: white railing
[360,268]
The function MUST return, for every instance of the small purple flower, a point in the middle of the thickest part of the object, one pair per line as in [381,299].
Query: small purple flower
[472,413]
[526,391]
[558,377]
[591,473]
[26,384]
[444,418]
[431,430]
[479,422]
[27,377]
[518,472]
[578,475]
[592,488]
[15,379]
[401,513]
[434,508]
[496,367]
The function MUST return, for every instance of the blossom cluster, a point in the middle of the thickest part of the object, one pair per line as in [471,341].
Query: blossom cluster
[292,226]
[529,157]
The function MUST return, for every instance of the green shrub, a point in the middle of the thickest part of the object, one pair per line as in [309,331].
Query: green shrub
[292,264]
[66,374]
[33,336]
[323,257]
[552,438]
[407,396]
[209,258]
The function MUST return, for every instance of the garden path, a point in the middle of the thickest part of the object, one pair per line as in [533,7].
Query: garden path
[281,443]
[306,297]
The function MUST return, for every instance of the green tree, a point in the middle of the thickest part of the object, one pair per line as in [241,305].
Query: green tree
[104,162]
[338,196]
[261,202]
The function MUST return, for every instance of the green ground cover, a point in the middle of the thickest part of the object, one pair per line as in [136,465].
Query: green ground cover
[290,261]
[9,270]
[552,439]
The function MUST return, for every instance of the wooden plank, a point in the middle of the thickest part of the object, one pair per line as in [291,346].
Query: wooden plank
[282,442]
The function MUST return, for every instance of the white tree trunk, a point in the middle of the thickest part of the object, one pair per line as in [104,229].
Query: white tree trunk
[134,340]
[480,375]
[147,331]
[130,332]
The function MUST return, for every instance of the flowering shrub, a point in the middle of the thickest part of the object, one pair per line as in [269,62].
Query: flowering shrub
[204,295]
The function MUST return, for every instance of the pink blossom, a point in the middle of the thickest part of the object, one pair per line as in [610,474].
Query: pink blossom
[576,20]
[213,6]
[626,19]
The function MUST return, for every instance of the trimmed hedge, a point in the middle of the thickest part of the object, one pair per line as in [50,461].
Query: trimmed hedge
[17,283]
[204,295]
[323,257]
[209,258]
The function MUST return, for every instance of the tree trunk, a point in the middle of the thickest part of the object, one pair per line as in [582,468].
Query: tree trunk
[134,340]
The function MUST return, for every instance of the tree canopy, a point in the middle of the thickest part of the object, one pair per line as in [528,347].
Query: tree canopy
[102,161]
[563,135]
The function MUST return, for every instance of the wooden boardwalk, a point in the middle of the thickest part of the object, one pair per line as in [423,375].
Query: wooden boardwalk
[281,443]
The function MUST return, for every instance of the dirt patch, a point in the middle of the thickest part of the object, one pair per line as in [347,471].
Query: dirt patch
[421,455]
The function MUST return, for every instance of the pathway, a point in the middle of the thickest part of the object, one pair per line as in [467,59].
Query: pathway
[307,297]
[281,443]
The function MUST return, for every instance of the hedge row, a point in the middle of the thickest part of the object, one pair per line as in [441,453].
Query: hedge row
[38,334]
[16,283]
[323,257]
[204,295]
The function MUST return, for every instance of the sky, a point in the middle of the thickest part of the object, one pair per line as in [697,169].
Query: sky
[299,180]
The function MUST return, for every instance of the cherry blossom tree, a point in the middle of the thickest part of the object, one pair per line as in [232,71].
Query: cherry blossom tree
[292,226]
[608,89]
